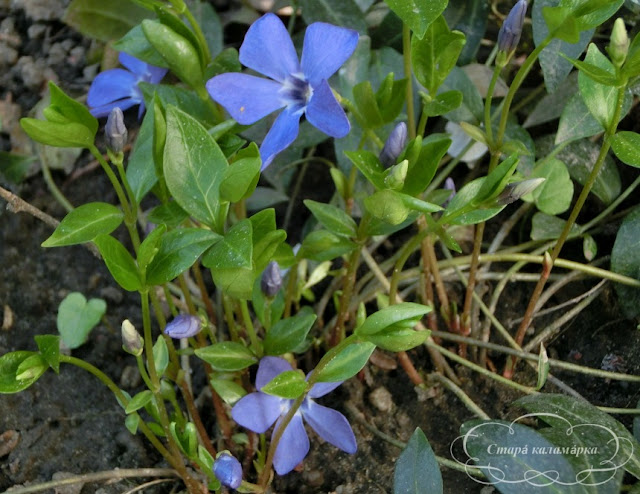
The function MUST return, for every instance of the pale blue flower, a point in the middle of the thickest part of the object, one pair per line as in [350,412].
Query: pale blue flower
[119,87]
[183,326]
[228,470]
[300,87]
[258,411]
[511,30]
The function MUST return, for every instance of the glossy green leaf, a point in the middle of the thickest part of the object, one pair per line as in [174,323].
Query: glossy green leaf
[141,168]
[625,260]
[458,210]
[139,401]
[288,334]
[369,165]
[418,15]
[229,391]
[626,146]
[135,43]
[85,223]
[600,99]
[49,346]
[434,55]
[367,111]
[177,252]
[554,195]
[332,218]
[104,21]
[119,262]
[169,214]
[194,166]
[496,180]
[417,470]
[10,363]
[149,247]
[77,317]
[322,245]
[423,169]
[185,99]
[346,363]
[407,314]
[228,356]
[241,177]
[390,97]
[470,17]
[344,13]
[289,384]
[398,339]
[160,356]
[442,103]
[472,107]
[69,134]
[576,121]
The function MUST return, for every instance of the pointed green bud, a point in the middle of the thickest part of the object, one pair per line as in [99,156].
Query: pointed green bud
[132,342]
[619,43]
[514,191]
[397,175]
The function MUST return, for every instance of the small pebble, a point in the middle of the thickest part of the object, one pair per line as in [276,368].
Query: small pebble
[7,319]
[381,399]
[8,442]
[111,294]
[130,377]
[35,31]
[313,478]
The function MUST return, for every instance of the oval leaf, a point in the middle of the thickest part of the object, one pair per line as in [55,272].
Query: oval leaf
[286,335]
[417,469]
[347,363]
[85,223]
[9,365]
[227,356]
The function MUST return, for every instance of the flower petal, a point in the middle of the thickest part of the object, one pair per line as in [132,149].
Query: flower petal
[112,85]
[257,411]
[321,389]
[281,135]
[269,368]
[247,98]
[268,49]
[104,110]
[330,425]
[326,48]
[132,63]
[293,446]
[324,112]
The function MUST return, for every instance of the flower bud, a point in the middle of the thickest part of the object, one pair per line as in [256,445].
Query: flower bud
[271,280]
[511,29]
[449,184]
[183,326]
[619,43]
[132,342]
[395,144]
[397,175]
[514,191]
[115,131]
[228,470]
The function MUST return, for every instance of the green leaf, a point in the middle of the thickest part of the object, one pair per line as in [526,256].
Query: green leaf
[398,339]
[332,218]
[625,260]
[241,177]
[434,55]
[149,247]
[346,363]
[576,121]
[417,470]
[388,206]
[69,134]
[442,103]
[288,384]
[367,110]
[209,22]
[49,346]
[418,15]
[423,169]
[104,21]
[119,262]
[194,166]
[551,106]
[322,245]
[229,391]
[138,401]
[470,17]
[407,314]
[84,224]
[369,165]
[496,180]
[131,423]
[494,443]
[15,167]
[390,97]
[169,214]
[161,355]
[177,252]
[626,146]
[141,167]
[66,109]
[545,227]
[288,334]
[77,317]
[472,107]
[10,363]
[135,43]
[596,73]
[554,195]
[185,99]
[595,425]
[231,261]
[459,212]
[228,356]
[600,99]
[344,13]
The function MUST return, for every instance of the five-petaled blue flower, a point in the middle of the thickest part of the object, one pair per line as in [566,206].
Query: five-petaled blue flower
[119,87]
[300,87]
[258,411]
[228,470]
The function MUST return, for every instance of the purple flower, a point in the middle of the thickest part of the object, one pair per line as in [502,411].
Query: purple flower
[183,326]
[258,411]
[394,145]
[119,87]
[228,470]
[300,87]
[509,34]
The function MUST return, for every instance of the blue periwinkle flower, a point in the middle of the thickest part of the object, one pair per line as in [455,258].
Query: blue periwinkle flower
[511,29]
[300,87]
[271,280]
[394,145]
[228,470]
[119,87]
[258,411]
[183,326]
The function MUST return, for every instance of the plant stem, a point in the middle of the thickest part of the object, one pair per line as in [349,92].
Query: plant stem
[248,323]
[487,105]
[406,56]
[339,332]
[456,390]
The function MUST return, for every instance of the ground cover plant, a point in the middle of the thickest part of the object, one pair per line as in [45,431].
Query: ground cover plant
[453,157]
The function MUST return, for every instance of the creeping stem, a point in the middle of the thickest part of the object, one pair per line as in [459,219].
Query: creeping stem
[406,54]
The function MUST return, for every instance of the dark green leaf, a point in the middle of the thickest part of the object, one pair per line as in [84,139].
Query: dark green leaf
[346,363]
[625,260]
[368,113]
[472,107]
[169,214]
[104,20]
[369,165]
[84,224]
[459,212]
[469,17]
[406,313]
[15,167]
[288,334]
[185,99]
[322,245]
[344,13]
[141,167]
[9,365]
[576,121]
[417,469]
[418,15]
[49,346]
[289,384]
[496,180]
[77,317]
[422,170]
[228,356]
[149,247]
[442,103]
[119,262]
[332,218]
[241,177]
[626,146]
[135,43]
[139,401]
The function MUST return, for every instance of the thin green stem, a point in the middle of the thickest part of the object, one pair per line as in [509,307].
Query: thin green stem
[202,40]
[347,290]
[406,56]
[112,178]
[456,390]
[51,185]
[487,105]
[248,323]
